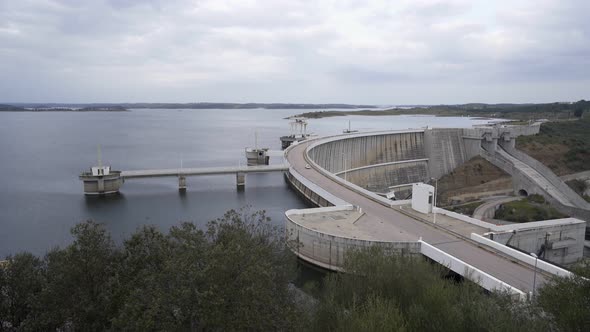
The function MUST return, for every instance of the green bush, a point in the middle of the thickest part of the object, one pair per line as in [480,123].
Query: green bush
[525,211]
[536,198]
[384,292]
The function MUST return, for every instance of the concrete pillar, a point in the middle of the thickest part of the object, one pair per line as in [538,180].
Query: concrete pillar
[240,180]
[100,185]
[511,143]
[490,144]
[181,183]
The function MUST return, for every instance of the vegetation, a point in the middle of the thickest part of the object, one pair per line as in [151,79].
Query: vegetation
[42,108]
[466,209]
[10,108]
[235,275]
[563,146]
[532,208]
[404,293]
[566,300]
[505,111]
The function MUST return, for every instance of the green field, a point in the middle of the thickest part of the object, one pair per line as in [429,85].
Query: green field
[532,208]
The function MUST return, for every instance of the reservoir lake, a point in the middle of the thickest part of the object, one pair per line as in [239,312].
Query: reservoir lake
[43,153]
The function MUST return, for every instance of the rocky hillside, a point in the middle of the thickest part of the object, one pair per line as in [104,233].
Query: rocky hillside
[475,178]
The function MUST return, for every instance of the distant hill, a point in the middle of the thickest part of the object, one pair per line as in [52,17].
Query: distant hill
[505,111]
[60,108]
[11,108]
[192,105]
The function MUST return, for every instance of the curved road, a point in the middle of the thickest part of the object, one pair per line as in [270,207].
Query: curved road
[392,225]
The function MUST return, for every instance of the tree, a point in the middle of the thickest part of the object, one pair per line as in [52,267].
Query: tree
[81,282]
[21,281]
[234,276]
[248,273]
[162,280]
[415,295]
[567,299]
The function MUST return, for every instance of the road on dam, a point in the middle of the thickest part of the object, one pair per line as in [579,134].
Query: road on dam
[389,225]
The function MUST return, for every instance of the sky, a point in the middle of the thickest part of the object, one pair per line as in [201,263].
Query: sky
[311,51]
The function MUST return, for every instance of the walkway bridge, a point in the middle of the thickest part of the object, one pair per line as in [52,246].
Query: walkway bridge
[95,183]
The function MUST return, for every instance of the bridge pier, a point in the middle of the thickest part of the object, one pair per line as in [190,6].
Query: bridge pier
[240,180]
[181,183]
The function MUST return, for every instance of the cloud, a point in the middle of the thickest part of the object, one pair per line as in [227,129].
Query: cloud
[299,51]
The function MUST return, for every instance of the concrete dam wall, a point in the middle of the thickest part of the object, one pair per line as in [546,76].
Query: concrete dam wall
[379,161]
[449,148]
[375,161]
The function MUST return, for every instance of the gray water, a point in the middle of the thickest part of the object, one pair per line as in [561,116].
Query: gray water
[42,154]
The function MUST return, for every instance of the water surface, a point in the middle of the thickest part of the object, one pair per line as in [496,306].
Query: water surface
[43,153]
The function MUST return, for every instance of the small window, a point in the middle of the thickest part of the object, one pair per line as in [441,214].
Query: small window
[429,199]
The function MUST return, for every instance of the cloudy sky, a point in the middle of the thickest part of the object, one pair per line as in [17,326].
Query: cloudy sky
[350,51]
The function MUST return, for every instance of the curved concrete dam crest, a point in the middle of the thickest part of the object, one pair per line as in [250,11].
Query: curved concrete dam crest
[322,236]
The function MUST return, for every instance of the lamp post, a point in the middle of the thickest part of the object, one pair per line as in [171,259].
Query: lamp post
[435,191]
[344,161]
[535,274]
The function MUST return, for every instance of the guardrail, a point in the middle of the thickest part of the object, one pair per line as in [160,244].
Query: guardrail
[468,271]
[542,265]
[329,250]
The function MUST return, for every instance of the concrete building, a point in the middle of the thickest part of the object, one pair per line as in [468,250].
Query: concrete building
[422,198]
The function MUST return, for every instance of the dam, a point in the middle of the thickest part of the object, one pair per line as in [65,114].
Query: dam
[343,176]
[349,179]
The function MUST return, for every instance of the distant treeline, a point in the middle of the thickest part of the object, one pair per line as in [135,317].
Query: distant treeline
[43,108]
[508,111]
[187,106]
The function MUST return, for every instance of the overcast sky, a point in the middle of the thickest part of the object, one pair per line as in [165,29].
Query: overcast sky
[375,52]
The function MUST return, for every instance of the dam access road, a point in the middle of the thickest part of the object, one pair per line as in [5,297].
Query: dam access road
[382,223]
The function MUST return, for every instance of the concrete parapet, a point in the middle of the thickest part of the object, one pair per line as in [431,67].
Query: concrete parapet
[465,218]
[313,193]
[101,184]
[468,271]
[531,236]
[328,250]
[527,258]
[359,190]
[560,241]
